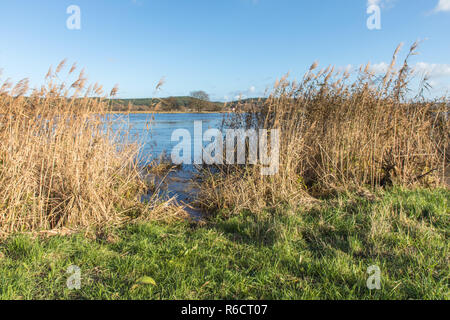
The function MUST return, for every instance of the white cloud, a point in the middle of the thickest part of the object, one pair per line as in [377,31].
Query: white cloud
[378,68]
[373,2]
[433,83]
[382,3]
[432,70]
[347,68]
[443,5]
[244,94]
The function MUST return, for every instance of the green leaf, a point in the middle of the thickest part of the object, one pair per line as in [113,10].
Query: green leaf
[147,280]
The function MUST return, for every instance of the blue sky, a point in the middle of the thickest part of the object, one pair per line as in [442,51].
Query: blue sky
[225,47]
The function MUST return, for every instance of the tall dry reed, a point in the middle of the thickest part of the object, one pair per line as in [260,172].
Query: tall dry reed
[62,164]
[338,132]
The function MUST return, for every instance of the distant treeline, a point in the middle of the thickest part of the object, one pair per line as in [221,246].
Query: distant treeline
[176,104]
[170,104]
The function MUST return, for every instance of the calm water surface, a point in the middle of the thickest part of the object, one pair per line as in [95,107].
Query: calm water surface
[154,132]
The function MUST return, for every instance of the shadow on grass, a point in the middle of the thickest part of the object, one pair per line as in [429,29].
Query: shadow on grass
[249,229]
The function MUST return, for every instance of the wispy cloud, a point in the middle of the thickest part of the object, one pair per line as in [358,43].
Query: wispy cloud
[243,94]
[443,5]
[382,3]
[373,2]
[438,75]
[378,68]
[136,2]
[432,70]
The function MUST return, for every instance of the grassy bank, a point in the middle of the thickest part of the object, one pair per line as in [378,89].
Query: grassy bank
[320,251]
[361,142]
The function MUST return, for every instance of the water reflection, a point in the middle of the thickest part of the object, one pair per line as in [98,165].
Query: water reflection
[154,132]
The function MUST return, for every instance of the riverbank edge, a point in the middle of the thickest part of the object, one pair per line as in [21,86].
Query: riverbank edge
[316,252]
[166,112]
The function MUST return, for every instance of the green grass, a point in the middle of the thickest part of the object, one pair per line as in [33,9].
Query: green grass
[319,253]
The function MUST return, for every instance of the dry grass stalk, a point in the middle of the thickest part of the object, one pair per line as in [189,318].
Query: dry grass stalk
[337,135]
[62,164]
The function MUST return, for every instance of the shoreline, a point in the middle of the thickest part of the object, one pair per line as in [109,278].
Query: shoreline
[167,112]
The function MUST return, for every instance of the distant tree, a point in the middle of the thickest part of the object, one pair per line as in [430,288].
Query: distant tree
[203,97]
[173,104]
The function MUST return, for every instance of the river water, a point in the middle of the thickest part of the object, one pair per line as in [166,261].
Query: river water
[154,133]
